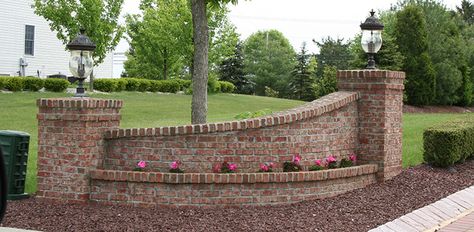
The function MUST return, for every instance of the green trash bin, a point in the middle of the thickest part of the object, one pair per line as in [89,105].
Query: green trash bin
[15,153]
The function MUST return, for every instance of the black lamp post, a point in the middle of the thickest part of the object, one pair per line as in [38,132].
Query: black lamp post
[81,62]
[371,38]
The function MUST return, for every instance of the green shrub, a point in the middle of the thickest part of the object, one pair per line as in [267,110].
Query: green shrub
[3,82]
[121,84]
[132,84]
[184,84]
[227,87]
[15,84]
[33,83]
[56,84]
[105,85]
[156,86]
[213,85]
[256,114]
[449,143]
[143,85]
[170,86]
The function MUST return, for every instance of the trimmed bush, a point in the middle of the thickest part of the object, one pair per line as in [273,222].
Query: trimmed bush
[121,84]
[227,87]
[15,84]
[213,85]
[132,84]
[56,84]
[170,86]
[155,86]
[143,85]
[105,85]
[449,143]
[184,84]
[33,83]
[3,81]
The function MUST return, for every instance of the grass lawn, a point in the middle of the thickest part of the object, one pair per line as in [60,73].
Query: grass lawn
[18,112]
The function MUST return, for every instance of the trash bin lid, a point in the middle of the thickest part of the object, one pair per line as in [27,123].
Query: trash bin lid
[13,133]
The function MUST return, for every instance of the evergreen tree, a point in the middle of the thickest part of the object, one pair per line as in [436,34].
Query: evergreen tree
[333,52]
[327,83]
[301,81]
[411,37]
[466,10]
[232,70]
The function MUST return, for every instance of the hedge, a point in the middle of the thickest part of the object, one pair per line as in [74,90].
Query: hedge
[449,143]
[15,84]
[56,84]
[33,83]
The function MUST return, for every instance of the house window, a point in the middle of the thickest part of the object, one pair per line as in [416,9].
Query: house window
[29,40]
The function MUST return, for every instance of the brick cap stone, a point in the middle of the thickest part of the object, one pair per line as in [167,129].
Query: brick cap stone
[309,110]
[78,103]
[371,73]
[232,178]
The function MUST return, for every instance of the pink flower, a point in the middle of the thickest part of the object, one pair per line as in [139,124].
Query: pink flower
[175,164]
[317,162]
[232,167]
[263,167]
[271,165]
[296,159]
[353,158]
[331,159]
[141,164]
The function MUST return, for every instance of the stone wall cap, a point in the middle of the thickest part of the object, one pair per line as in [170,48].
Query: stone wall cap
[78,103]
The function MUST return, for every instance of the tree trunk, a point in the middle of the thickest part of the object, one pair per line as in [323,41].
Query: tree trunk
[91,82]
[200,65]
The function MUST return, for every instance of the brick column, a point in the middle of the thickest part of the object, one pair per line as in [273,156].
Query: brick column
[380,116]
[70,144]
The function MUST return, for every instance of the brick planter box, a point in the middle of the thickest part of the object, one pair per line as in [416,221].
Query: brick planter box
[235,189]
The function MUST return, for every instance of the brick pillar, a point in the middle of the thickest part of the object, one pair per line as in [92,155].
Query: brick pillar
[380,116]
[70,144]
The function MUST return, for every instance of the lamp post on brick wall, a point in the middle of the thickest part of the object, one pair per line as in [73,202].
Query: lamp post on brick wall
[371,38]
[81,62]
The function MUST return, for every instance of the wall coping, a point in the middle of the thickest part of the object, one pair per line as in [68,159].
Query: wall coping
[232,178]
[78,103]
[371,73]
[309,110]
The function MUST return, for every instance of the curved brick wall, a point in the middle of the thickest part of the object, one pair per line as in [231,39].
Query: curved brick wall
[83,155]
[238,189]
[327,126]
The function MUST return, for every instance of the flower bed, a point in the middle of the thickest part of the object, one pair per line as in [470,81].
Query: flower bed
[237,189]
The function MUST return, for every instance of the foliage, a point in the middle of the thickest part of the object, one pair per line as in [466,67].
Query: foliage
[232,70]
[269,92]
[449,143]
[33,83]
[266,167]
[333,52]
[56,84]
[301,82]
[213,85]
[331,162]
[268,59]
[15,84]
[317,166]
[227,87]
[106,85]
[411,37]
[255,114]
[327,83]
[294,165]
[140,166]
[225,167]
[466,10]
[3,81]
[98,17]
[175,167]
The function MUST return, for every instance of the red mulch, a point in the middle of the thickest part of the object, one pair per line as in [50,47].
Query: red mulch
[358,210]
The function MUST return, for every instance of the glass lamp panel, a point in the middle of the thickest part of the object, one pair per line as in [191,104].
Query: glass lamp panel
[85,60]
[371,41]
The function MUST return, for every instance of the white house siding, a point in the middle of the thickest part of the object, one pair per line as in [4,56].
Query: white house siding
[50,56]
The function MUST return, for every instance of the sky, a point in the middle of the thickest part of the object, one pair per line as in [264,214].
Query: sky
[299,20]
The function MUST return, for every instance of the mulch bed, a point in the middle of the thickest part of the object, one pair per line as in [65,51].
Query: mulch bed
[358,210]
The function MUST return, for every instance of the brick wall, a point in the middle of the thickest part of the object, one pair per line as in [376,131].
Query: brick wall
[70,143]
[314,131]
[83,155]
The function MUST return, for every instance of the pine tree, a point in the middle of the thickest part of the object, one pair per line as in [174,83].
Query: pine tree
[411,37]
[232,70]
[302,82]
